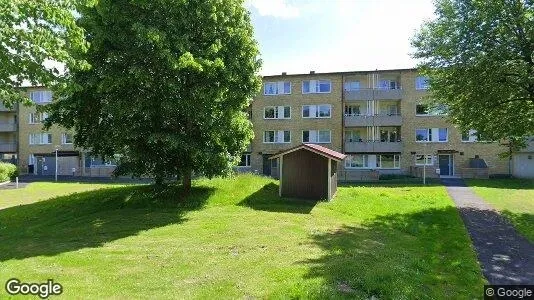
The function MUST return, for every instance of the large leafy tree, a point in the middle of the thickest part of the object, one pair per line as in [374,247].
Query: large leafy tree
[169,83]
[36,42]
[479,56]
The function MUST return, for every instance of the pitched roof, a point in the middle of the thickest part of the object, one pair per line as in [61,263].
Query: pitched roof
[313,148]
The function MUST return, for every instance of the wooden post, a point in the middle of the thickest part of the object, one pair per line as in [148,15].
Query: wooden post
[280,171]
[329,179]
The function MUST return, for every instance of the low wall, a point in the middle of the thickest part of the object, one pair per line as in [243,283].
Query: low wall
[99,171]
[358,175]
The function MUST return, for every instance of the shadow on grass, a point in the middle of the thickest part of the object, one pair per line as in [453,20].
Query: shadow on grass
[524,223]
[267,199]
[90,219]
[506,183]
[424,255]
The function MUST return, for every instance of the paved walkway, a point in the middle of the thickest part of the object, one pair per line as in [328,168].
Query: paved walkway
[505,256]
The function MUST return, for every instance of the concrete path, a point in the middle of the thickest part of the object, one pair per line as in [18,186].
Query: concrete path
[505,256]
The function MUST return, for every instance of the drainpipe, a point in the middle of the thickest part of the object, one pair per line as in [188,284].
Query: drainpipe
[342,113]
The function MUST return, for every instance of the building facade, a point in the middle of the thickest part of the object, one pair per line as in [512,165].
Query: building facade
[380,119]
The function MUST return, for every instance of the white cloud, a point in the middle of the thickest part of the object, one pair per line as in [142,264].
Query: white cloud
[274,8]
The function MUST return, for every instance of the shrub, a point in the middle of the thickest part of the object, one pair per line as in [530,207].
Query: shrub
[8,171]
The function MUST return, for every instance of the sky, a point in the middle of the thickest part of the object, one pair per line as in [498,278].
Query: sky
[298,36]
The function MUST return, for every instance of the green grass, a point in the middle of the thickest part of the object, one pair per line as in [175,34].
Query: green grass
[234,238]
[514,198]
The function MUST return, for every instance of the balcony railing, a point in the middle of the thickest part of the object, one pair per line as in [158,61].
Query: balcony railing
[374,94]
[376,120]
[8,127]
[373,146]
[8,147]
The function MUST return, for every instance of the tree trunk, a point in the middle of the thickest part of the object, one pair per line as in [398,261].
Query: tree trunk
[186,182]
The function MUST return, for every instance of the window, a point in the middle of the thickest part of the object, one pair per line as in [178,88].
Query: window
[277,112]
[423,135]
[426,110]
[443,134]
[41,96]
[390,134]
[352,110]
[40,138]
[277,88]
[274,163]
[389,161]
[316,136]
[389,110]
[67,138]
[316,86]
[317,111]
[471,136]
[353,136]
[38,118]
[357,161]
[280,136]
[420,160]
[421,83]
[245,161]
[386,84]
[352,86]
[432,135]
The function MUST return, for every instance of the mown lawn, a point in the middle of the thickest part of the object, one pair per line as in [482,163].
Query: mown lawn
[234,238]
[514,198]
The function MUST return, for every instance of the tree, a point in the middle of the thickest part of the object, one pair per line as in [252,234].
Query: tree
[35,38]
[168,86]
[479,56]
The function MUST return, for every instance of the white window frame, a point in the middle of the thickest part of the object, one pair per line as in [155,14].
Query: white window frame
[389,84]
[446,136]
[352,86]
[38,97]
[315,111]
[277,115]
[247,161]
[316,84]
[396,161]
[421,86]
[433,113]
[428,136]
[365,159]
[314,135]
[277,135]
[37,116]
[280,88]
[64,138]
[40,138]
[426,160]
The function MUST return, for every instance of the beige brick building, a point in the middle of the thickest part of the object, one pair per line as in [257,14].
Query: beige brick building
[380,119]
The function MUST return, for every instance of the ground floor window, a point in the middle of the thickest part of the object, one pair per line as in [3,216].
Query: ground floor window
[245,160]
[421,160]
[372,161]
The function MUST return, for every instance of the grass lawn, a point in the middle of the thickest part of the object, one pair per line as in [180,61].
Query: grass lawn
[514,198]
[234,238]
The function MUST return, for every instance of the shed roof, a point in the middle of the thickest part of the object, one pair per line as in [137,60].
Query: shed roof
[313,148]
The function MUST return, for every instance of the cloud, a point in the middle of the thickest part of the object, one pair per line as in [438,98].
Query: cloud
[274,8]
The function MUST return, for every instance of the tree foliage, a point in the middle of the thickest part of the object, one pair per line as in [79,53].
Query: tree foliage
[479,56]
[36,36]
[168,86]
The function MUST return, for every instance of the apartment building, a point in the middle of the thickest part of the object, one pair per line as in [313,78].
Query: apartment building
[8,134]
[378,118]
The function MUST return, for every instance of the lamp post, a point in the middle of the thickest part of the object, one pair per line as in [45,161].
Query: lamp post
[57,149]
[424,162]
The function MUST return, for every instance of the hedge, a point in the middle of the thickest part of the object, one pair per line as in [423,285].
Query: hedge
[8,171]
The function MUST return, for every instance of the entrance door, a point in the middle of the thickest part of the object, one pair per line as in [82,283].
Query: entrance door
[444,164]
[266,165]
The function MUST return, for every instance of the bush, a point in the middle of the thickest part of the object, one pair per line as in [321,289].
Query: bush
[394,177]
[8,171]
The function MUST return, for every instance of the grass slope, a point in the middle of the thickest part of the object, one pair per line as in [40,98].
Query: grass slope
[514,198]
[234,238]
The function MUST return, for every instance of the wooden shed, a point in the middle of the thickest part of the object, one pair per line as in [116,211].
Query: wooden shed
[308,171]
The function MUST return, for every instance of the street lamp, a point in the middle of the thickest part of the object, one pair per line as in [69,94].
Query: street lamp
[57,149]
[424,162]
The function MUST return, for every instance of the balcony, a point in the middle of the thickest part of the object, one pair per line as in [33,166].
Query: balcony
[377,120]
[374,94]
[373,146]
[8,127]
[7,148]
[3,108]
